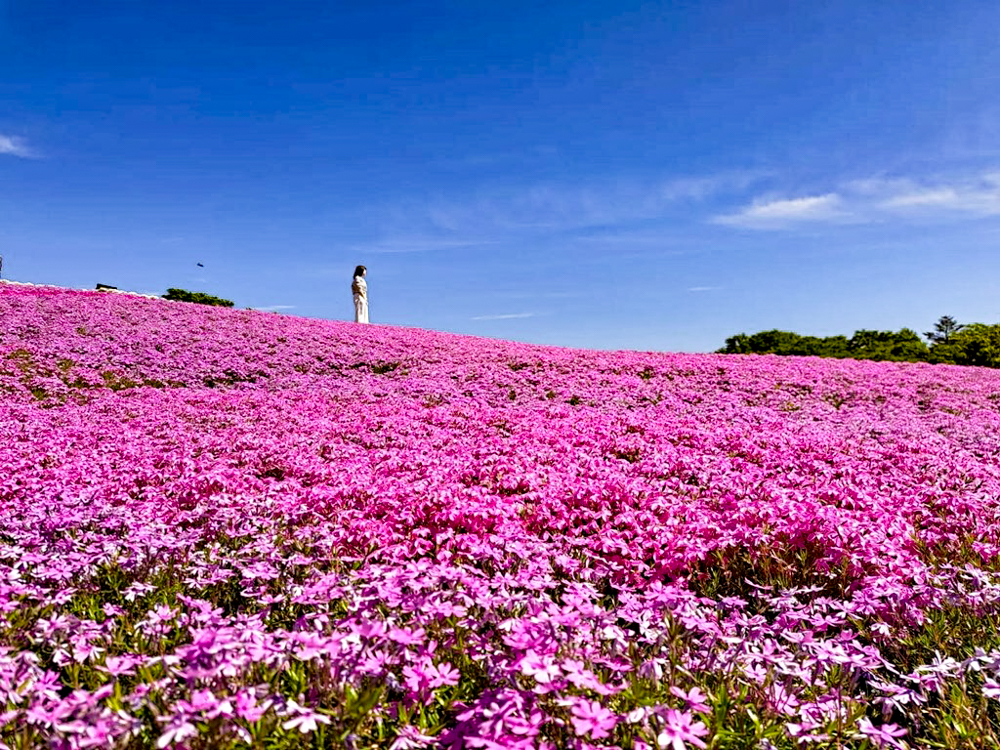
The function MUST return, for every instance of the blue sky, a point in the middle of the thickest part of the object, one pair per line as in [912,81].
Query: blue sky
[600,174]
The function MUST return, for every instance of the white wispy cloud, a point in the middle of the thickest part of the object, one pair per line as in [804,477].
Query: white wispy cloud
[275,308]
[877,199]
[704,288]
[504,316]
[977,196]
[15,146]
[941,197]
[496,213]
[493,216]
[776,214]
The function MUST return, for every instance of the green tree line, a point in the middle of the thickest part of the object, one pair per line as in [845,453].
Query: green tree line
[949,343]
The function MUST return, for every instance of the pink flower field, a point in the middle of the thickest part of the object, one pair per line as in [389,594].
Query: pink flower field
[224,528]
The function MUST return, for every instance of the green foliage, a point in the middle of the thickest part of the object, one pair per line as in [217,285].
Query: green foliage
[898,346]
[182,295]
[974,344]
[903,345]
[951,342]
[944,329]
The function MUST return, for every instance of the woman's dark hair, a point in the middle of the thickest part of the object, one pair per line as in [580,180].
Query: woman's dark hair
[359,270]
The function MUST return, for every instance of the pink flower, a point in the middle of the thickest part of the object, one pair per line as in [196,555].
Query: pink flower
[694,698]
[410,738]
[247,707]
[577,673]
[991,689]
[176,734]
[590,717]
[678,730]
[443,675]
[123,665]
[407,636]
[883,736]
[542,668]
[303,718]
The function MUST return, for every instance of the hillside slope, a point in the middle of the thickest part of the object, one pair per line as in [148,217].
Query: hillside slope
[232,527]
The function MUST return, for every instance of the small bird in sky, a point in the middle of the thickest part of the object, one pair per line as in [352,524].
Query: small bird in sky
[200,265]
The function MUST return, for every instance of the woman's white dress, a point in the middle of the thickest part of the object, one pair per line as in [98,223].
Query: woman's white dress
[360,289]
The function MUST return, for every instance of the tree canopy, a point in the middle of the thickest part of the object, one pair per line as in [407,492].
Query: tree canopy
[950,343]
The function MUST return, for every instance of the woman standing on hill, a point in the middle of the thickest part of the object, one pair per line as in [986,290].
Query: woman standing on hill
[359,287]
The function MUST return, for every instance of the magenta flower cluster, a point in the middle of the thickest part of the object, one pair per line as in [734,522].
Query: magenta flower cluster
[232,528]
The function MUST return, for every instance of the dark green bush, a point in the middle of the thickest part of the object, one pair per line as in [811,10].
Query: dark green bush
[182,295]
